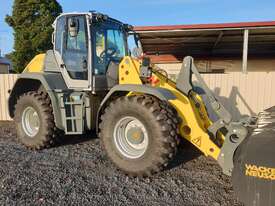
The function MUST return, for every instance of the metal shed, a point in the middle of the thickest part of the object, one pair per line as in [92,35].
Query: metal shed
[166,44]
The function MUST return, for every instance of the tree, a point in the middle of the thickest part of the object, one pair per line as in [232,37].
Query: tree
[31,21]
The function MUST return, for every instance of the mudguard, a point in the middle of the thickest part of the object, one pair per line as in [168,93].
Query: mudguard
[51,82]
[123,89]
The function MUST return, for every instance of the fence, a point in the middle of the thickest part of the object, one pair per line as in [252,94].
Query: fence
[241,94]
[6,83]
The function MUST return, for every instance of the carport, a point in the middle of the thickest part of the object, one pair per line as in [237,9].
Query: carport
[169,44]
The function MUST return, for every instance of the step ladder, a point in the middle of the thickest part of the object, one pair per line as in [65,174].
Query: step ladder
[73,112]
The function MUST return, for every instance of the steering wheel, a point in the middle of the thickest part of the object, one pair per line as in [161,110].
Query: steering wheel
[108,52]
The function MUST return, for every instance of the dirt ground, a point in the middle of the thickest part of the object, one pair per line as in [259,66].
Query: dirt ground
[77,172]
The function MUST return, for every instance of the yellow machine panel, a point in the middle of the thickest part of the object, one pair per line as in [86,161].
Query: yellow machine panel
[129,71]
[36,64]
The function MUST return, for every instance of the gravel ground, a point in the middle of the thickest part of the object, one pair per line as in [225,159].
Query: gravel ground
[78,173]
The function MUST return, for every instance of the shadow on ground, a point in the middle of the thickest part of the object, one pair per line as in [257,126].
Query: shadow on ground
[186,152]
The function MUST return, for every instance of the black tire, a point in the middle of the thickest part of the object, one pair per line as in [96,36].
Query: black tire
[47,131]
[161,123]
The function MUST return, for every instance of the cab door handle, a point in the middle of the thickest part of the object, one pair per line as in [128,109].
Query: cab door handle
[84,63]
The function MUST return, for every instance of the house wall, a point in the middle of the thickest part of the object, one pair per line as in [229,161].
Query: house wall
[226,65]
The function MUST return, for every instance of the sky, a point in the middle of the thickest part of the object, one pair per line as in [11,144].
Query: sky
[157,12]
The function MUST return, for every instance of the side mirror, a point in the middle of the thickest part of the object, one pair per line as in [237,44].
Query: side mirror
[73,27]
[137,52]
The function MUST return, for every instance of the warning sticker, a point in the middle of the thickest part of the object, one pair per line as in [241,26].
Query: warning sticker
[197,141]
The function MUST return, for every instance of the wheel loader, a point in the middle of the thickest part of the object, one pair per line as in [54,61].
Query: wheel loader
[89,81]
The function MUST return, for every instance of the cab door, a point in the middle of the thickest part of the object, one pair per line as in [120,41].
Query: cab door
[109,47]
[73,51]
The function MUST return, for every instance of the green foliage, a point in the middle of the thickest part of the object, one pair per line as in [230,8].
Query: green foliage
[31,21]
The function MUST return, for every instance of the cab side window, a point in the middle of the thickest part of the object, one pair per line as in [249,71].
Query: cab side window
[100,48]
[109,45]
[60,28]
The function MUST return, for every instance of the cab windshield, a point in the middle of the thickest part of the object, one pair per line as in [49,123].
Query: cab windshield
[110,45]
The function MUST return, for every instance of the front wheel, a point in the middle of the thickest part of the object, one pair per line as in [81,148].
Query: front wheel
[34,120]
[139,134]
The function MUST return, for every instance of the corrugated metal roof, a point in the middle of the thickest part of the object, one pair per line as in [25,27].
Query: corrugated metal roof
[206,26]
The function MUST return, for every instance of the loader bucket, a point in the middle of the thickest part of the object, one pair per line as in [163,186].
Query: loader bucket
[253,175]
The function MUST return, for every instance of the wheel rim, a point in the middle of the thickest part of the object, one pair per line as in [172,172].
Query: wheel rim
[30,121]
[131,137]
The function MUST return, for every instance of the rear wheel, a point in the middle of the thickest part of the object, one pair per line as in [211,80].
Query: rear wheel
[34,120]
[139,134]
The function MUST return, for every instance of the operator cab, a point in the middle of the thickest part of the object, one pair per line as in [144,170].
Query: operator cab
[88,48]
